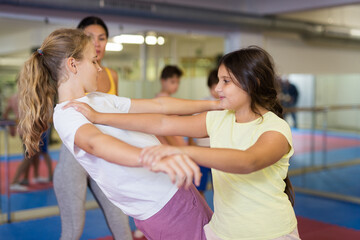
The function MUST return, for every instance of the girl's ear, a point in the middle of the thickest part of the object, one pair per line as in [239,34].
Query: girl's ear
[71,65]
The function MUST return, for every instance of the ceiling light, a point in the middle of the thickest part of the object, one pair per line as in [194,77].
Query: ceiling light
[150,40]
[129,39]
[355,32]
[113,47]
[160,40]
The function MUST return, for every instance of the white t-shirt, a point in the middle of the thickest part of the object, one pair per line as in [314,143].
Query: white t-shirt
[139,192]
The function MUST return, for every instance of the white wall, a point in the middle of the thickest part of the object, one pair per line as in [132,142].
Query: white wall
[326,74]
[340,89]
[292,54]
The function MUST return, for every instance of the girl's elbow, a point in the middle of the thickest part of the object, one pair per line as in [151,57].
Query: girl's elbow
[90,149]
[249,167]
[245,169]
[92,146]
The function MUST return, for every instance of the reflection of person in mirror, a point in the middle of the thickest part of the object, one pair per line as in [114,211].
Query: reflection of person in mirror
[289,97]
[12,107]
[23,169]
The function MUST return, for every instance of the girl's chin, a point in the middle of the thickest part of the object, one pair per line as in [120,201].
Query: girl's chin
[225,107]
[222,104]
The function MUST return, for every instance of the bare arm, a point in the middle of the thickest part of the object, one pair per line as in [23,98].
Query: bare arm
[92,140]
[270,147]
[158,124]
[180,168]
[172,140]
[170,105]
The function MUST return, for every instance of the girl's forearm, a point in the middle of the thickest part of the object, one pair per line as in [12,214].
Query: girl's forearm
[111,149]
[184,106]
[147,123]
[115,151]
[157,124]
[93,141]
[170,105]
[227,160]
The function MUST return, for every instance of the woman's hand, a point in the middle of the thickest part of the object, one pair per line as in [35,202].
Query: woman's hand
[180,168]
[149,156]
[84,109]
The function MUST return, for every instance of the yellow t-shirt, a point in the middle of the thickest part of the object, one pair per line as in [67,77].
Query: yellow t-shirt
[249,206]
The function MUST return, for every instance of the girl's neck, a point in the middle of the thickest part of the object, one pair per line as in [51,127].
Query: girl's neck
[69,90]
[247,115]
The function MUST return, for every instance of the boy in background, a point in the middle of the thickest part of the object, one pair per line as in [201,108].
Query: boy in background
[205,142]
[170,81]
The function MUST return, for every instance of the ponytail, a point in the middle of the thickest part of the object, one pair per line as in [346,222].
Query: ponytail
[36,100]
[39,80]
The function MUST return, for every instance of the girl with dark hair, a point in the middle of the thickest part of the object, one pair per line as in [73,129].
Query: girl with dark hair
[250,148]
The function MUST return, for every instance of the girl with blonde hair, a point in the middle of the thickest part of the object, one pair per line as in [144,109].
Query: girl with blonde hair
[66,65]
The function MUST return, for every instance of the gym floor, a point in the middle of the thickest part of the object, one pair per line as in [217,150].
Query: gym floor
[326,183]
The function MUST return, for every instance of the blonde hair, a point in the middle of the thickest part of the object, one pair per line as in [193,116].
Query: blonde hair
[39,79]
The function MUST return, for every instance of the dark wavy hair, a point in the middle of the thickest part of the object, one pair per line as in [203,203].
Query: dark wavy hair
[254,72]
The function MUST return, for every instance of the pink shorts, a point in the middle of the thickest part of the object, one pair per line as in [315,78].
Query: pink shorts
[182,218]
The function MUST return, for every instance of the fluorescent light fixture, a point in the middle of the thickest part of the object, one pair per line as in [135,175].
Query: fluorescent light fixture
[150,40]
[160,40]
[129,39]
[113,47]
[138,39]
[355,32]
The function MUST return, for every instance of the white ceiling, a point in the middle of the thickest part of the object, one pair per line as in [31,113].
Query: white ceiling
[22,27]
[261,7]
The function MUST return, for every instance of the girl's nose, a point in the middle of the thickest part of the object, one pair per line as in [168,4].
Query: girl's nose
[96,42]
[218,87]
[93,40]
